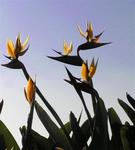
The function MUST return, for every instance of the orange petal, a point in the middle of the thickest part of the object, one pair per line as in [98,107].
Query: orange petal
[84,72]
[10,49]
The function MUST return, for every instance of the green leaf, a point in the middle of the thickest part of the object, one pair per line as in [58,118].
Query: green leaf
[115,124]
[131,100]
[8,138]
[129,111]
[125,141]
[86,130]
[100,139]
[67,127]
[2,143]
[57,136]
[37,141]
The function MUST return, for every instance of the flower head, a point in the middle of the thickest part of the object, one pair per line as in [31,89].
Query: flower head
[87,74]
[88,35]
[30,90]
[19,49]
[67,49]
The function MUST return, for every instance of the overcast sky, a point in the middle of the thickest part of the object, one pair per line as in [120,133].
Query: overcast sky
[49,23]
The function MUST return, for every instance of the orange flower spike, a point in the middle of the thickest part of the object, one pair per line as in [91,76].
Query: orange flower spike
[30,90]
[84,71]
[93,68]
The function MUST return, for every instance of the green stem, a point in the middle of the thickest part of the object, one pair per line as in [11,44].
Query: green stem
[29,125]
[94,103]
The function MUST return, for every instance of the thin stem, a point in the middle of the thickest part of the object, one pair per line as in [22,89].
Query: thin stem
[94,103]
[29,125]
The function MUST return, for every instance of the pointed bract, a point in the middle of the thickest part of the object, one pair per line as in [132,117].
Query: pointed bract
[67,49]
[30,90]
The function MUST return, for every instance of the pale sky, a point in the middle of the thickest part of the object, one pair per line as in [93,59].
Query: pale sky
[49,23]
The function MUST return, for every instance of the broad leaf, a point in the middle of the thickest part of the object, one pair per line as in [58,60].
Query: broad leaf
[129,111]
[100,138]
[8,138]
[57,136]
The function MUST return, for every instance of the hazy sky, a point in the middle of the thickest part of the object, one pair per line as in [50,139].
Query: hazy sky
[49,23]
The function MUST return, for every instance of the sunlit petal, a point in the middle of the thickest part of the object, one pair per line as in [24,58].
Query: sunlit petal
[84,72]
[25,43]
[68,49]
[18,45]
[90,31]
[10,49]
[81,32]
[93,68]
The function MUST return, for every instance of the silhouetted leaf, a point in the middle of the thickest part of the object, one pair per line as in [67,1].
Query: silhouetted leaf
[124,138]
[115,124]
[129,111]
[79,118]
[2,143]
[57,136]
[131,100]
[14,64]
[100,139]
[77,133]
[71,60]
[86,130]
[8,138]
[1,105]
[37,141]
[67,127]
[90,45]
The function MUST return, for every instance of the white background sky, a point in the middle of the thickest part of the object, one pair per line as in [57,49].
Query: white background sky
[49,23]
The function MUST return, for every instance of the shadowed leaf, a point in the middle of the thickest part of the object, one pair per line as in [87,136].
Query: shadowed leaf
[1,105]
[100,139]
[86,130]
[124,138]
[57,136]
[71,60]
[91,45]
[38,141]
[8,138]
[14,64]
[2,143]
[77,133]
[129,111]
[115,124]
[131,100]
